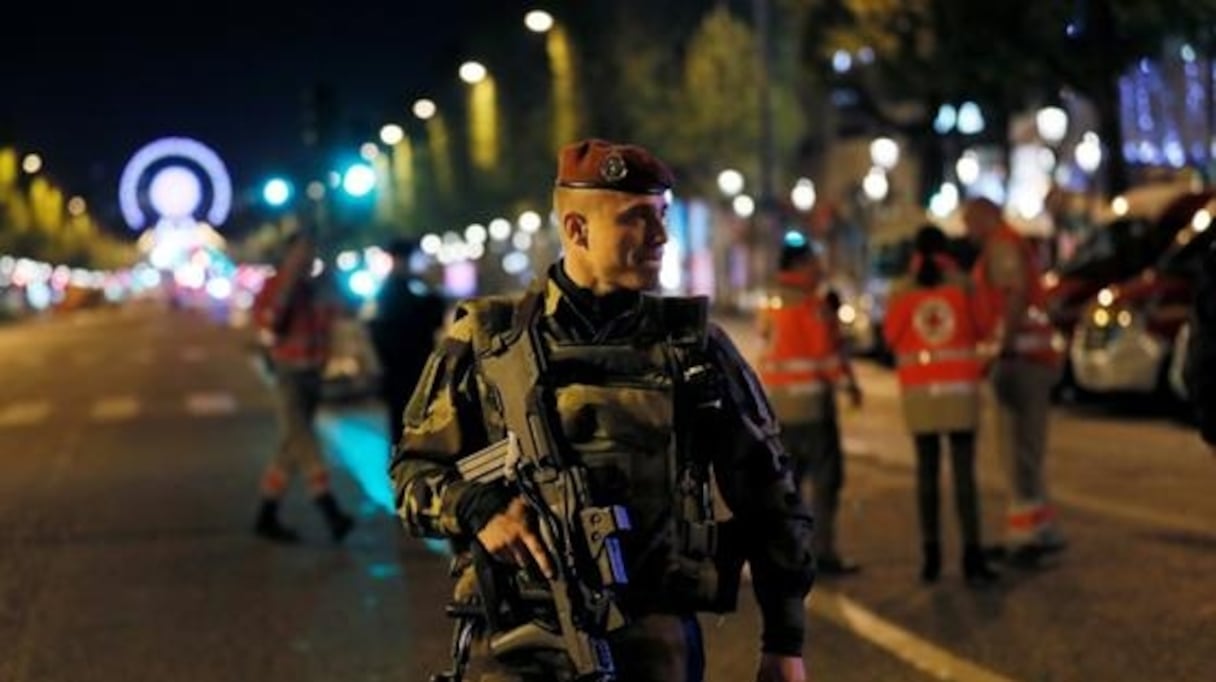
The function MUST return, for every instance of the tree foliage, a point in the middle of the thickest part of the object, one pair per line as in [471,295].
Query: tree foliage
[1005,55]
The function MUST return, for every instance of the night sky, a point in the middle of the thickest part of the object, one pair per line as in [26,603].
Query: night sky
[86,85]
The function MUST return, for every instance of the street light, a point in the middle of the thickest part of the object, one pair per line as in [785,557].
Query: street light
[276,192]
[1088,153]
[315,190]
[1051,124]
[730,181]
[884,152]
[32,163]
[968,168]
[76,206]
[424,109]
[472,72]
[391,134]
[538,21]
[744,206]
[875,185]
[359,180]
[369,151]
[803,195]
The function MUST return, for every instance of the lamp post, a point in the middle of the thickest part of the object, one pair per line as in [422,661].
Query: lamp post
[561,69]
[483,115]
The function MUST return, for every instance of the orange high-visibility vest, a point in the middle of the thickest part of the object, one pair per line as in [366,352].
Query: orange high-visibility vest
[300,322]
[1034,338]
[802,353]
[933,334]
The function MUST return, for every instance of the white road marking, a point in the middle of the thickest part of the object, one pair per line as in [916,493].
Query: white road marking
[1139,515]
[114,408]
[24,413]
[210,404]
[919,653]
[194,354]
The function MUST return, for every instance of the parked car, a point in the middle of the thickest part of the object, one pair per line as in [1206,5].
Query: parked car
[1113,253]
[1127,335]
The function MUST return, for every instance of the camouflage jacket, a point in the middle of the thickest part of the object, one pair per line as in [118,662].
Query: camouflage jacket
[451,416]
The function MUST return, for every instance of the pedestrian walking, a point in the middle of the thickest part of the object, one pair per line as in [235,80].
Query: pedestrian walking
[803,362]
[932,327]
[295,312]
[654,401]
[1025,366]
[408,316]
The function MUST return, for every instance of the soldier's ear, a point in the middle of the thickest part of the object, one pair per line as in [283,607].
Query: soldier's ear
[574,225]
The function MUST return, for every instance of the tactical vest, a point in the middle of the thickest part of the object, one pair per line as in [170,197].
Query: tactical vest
[1034,339]
[800,365]
[937,351]
[628,410]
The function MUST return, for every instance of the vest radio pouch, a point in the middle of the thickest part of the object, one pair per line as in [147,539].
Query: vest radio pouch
[707,558]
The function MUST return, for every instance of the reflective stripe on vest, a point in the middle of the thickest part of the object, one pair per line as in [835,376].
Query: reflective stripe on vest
[926,357]
[800,357]
[936,388]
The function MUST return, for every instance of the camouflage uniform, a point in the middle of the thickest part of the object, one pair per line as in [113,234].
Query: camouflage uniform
[611,364]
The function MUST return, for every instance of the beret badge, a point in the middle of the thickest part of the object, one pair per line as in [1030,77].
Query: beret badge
[613,168]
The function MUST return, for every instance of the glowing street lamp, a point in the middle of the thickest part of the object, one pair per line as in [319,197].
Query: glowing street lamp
[1051,124]
[875,185]
[76,206]
[359,180]
[276,192]
[424,109]
[744,206]
[730,181]
[538,21]
[32,163]
[1088,153]
[884,152]
[391,134]
[369,151]
[803,195]
[472,72]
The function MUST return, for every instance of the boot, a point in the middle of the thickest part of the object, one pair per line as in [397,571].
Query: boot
[339,522]
[976,571]
[269,527]
[931,566]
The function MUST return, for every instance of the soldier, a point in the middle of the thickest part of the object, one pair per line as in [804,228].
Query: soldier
[931,326]
[295,313]
[804,360]
[620,362]
[1026,365]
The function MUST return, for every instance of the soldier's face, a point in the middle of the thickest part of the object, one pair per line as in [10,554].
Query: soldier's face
[623,244]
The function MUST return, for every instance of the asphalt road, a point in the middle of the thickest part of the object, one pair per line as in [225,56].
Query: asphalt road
[131,441]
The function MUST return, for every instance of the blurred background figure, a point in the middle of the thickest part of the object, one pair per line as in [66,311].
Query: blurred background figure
[1201,360]
[408,316]
[1012,305]
[803,361]
[932,329]
[295,312]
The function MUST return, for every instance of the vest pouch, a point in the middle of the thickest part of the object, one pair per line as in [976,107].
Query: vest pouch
[707,582]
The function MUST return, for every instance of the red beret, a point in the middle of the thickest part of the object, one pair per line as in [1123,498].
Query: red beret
[598,164]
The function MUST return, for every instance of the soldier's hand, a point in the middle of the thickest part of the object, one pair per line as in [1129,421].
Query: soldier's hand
[774,668]
[510,537]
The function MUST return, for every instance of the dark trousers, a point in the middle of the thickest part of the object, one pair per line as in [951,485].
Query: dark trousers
[654,648]
[966,499]
[817,455]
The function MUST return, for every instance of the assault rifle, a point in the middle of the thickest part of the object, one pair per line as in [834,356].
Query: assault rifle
[574,610]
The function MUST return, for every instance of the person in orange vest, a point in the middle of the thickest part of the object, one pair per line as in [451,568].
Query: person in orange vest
[803,362]
[1025,363]
[294,313]
[932,328]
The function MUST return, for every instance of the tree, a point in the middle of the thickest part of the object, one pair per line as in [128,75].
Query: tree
[1005,55]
